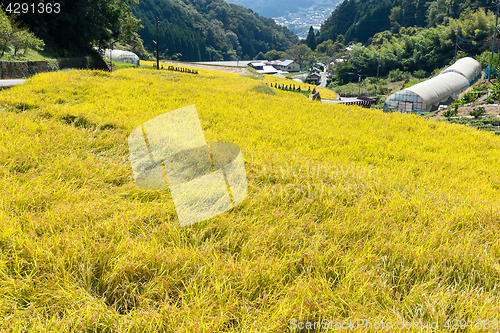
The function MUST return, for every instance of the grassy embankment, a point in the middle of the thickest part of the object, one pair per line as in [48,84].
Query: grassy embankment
[351,213]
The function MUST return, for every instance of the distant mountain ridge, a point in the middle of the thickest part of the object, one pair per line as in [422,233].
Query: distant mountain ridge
[208,30]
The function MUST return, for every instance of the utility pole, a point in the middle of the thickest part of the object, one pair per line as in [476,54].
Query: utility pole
[378,64]
[111,54]
[456,45]
[157,47]
[496,2]
[359,84]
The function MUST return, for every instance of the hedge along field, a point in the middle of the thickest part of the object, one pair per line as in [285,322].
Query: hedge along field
[351,213]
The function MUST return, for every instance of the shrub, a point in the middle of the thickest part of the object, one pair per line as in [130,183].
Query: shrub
[451,112]
[420,74]
[478,112]
[398,75]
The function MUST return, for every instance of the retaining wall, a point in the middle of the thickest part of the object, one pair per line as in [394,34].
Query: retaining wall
[25,69]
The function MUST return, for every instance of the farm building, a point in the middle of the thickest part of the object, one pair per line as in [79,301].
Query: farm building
[122,56]
[441,89]
[290,66]
[257,65]
[313,78]
[262,67]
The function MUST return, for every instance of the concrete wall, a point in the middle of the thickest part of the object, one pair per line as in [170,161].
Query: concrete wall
[25,69]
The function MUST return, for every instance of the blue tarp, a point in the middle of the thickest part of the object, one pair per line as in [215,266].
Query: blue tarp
[486,71]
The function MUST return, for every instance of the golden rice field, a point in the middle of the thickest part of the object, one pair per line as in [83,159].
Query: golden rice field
[268,80]
[351,215]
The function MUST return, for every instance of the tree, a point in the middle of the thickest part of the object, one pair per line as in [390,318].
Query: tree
[22,39]
[5,31]
[311,39]
[14,35]
[300,53]
[260,56]
[274,55]
[327,47]
[19,40]
[395,19]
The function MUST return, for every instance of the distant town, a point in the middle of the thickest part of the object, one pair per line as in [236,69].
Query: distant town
[300,22]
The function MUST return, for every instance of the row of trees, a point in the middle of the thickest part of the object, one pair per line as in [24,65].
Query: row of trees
[13,35]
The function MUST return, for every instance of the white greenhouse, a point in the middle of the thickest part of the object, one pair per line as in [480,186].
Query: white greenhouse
[468,67]
[122,56]
[441,89]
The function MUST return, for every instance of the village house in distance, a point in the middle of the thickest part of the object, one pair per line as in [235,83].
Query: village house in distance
[275,66]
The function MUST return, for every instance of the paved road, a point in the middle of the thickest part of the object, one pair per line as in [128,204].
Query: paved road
[226,63]
[324,77]
[343,100]
[10,83]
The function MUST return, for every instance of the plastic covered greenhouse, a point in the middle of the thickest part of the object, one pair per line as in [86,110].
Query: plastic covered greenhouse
[442,89]
[122,56]
[468,67]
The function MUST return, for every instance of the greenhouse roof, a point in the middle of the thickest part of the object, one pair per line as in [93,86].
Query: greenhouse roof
[440,87]
[119,54]
[467,66]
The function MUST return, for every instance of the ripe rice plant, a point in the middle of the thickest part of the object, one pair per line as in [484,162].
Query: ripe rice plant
[351,213]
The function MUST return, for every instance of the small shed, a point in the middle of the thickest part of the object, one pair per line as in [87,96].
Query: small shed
[258,65]
[313,78]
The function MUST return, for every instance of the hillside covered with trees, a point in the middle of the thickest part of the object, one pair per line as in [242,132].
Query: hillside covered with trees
[359,20]
[209,30]
[419,49]
[188,30]
[75,26]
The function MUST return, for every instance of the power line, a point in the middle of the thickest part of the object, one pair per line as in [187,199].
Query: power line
[497,2]
[461,49]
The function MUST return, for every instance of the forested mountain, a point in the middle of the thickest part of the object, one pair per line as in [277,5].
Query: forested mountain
[359,20]
[195,30]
